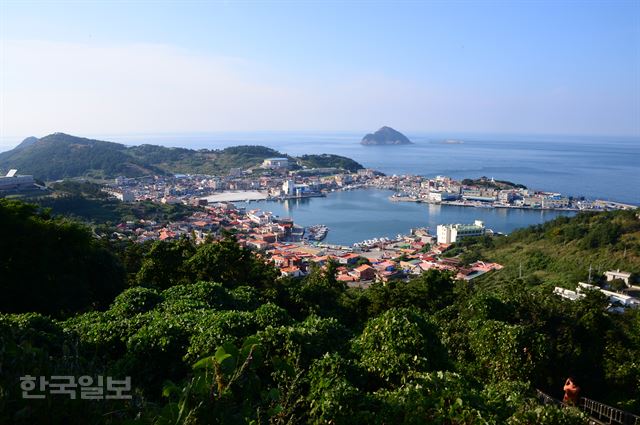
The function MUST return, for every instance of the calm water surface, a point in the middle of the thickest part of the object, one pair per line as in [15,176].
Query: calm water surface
[353,216]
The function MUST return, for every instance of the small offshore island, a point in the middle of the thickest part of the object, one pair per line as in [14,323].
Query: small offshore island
[386,136]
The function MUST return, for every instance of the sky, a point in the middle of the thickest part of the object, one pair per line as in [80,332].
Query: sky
[133,67]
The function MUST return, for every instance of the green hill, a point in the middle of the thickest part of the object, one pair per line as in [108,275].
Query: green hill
[328,161]
[560,252]
[59,156]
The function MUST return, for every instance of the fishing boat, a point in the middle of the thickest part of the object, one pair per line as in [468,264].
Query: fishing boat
[317,232]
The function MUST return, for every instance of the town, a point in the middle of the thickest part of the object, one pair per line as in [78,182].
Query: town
[273,180]
[292,248]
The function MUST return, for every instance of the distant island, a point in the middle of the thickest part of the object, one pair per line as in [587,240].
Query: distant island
[386,136]
[59,156]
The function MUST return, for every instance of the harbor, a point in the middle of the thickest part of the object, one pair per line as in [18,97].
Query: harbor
[358,215]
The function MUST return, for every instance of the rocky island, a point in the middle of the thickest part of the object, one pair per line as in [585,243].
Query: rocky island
[386,136]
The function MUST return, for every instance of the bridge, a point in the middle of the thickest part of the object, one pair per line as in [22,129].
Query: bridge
[599,414]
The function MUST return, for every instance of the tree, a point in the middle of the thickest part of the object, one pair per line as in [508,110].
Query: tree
[431,291]
[52,266]
[398,342]
[164,265]
[232,265]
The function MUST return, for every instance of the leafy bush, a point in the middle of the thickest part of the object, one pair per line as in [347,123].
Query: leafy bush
[398,342]
[133,301]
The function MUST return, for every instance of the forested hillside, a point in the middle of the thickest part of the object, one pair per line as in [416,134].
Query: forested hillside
[59,156]
[87,202]
[211,334]
[560,252]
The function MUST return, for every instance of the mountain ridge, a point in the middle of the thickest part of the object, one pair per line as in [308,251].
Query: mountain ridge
[60,155]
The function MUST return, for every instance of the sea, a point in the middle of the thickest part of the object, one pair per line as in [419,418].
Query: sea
[596,167]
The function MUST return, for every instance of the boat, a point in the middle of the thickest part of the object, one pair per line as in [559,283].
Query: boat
[317,232]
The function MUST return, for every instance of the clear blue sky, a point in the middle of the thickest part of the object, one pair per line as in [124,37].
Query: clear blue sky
[501,67]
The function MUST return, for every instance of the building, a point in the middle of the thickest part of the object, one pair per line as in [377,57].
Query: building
[617,302]
[290,188]
[366,172]
[121,194]
[450,233]
[364,272]
[259,217]
[437,196]
[483,195]
[617,274]
[555,201]
[507,196]
[13,181]
[273,163]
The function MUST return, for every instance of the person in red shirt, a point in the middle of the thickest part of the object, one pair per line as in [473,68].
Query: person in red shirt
[571,392]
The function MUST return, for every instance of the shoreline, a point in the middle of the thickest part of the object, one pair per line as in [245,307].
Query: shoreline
[618,205]
[256,196]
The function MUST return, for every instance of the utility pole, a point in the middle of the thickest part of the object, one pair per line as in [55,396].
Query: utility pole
[589,281]
[520,270]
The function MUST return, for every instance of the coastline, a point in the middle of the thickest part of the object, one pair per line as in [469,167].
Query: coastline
[619,205]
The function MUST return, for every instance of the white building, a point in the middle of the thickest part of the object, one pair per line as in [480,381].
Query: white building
[275,163]
[617,274]
[121,194]
[290,188]
[437,196]
[259,217]
[450,233]
[13,181]
[618,302]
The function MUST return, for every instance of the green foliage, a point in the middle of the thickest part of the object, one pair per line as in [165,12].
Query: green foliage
[560,252]
[163,266]
[224,389]
[231,264]
[101,210]
[215,336]
[492,184]
[305,340]
[133,301]
[398,342]
[548,415]
[435,397]
[52,266]
[507,352]
[332,397]
[430,291]
[329,161]
[59,156]
[218,328]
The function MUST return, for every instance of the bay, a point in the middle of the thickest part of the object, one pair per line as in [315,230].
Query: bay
[357,215]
